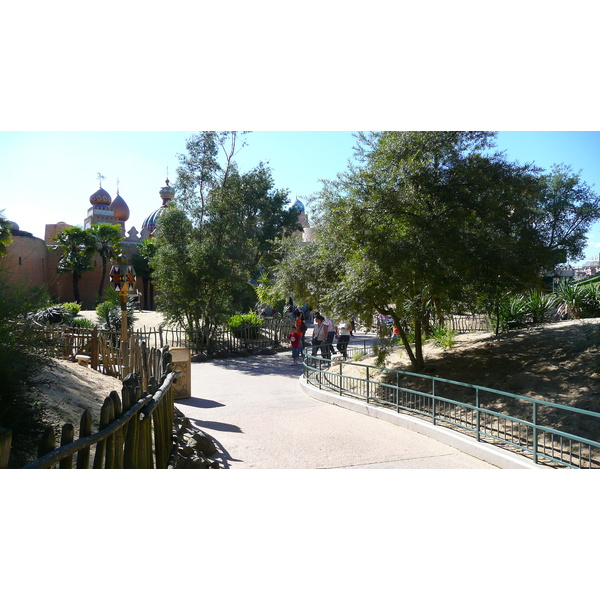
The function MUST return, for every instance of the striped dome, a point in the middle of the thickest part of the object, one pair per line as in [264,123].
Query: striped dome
[150,221]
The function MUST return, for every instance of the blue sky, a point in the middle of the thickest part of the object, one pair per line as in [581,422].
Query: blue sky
[48,176]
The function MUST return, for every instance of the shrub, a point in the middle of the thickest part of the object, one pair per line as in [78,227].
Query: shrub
[245,326]
[83,323]
[358,355]
[539,306]
[570,299]
[443,337]
[72,307]
[20,361]
[109,315]
[56,314]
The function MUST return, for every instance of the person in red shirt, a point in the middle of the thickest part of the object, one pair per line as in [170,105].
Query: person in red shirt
[295,338]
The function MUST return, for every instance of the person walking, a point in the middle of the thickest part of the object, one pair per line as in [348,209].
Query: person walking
[295,338]
[301,325]
[331,331]
[319,335]
[343,339]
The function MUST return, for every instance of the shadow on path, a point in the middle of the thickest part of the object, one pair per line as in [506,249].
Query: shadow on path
[277,364]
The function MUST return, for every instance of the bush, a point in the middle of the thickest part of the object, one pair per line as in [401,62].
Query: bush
[245,326]
[72,307]
[109,315]
[53,315]
[20,360]
[83,323]
[443,337]
[540,306]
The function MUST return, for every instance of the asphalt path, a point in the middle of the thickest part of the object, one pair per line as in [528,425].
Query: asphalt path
[260,418]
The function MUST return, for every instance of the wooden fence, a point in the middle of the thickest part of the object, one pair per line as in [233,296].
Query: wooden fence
[273,332]
[135,430]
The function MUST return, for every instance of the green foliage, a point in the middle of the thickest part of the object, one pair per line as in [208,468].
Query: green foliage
[382,348]
[571,299]
[429,220]
[540,306]
[245,326]
[5,234]
[78,247]
[107,242]
[217,234]
[109,313]
[246,320]
[358,355]
[56,314]
[567,208]
[83,323]
[443,337]
[20,361]
[72,307]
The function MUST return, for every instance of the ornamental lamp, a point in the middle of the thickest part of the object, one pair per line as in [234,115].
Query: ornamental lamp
[122,278]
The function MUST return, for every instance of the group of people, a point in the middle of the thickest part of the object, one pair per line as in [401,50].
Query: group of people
[325,331]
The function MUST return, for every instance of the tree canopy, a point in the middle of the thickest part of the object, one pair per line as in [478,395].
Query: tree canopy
[218,233]
[424,221]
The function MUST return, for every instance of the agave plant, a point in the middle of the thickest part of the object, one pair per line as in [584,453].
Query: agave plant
[540,306]
[570,299]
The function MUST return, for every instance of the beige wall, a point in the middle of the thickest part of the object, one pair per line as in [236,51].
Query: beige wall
[26,262]
[30,263]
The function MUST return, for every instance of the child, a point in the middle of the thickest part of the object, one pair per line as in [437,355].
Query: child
[295,338]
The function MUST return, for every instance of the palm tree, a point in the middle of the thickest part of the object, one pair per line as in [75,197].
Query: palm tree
[5,234]
[108,245]
[78,247]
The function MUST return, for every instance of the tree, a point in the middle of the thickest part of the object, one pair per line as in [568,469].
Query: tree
[78,246]
[428,218]
[567,209]
[5,234]
[107,239]
[218,232]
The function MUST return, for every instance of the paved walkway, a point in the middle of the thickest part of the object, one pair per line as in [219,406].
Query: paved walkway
[256,411]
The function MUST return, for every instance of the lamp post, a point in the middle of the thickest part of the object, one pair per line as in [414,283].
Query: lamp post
[122,278]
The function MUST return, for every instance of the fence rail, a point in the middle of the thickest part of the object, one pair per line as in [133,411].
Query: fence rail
[273,332]
[534,428]
[136,429]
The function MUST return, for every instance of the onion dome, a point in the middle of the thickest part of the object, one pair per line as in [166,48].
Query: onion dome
[100,197]
[167,193]
[298,206]
[150,221]
[120,208]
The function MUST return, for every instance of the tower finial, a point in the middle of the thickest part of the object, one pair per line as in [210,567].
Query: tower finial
[118,186]
[100,177]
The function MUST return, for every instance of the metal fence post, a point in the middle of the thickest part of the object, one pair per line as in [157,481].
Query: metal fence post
[368,384]
[478,414]
[535,448]
[433,399]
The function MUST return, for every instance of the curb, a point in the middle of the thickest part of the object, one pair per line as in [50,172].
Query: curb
[498,457]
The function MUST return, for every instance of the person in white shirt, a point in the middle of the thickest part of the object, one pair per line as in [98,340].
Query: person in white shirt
[343,338]
[331,332]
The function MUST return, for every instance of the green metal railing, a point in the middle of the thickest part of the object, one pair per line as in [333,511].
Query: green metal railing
[549,433]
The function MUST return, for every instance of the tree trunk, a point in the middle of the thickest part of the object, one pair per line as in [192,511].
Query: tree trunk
[419,361]
[103,279]
[76,287]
